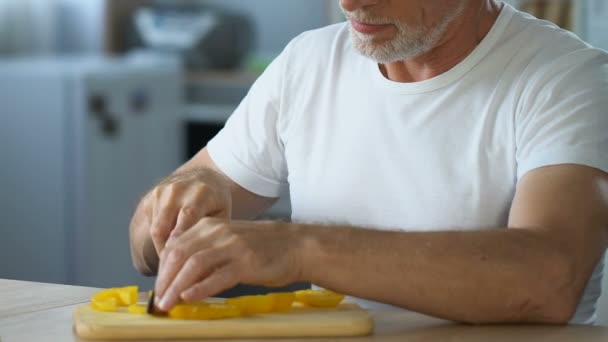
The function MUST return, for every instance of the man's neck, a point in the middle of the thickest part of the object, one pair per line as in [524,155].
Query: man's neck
[460,39]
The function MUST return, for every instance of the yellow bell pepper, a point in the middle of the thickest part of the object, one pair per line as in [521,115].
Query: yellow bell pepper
[258,304]
[105,300]
[127,295]
[137,309]
[251,305]
[282,301]
[319,298]
[105,305]
[111,299]
[204,311]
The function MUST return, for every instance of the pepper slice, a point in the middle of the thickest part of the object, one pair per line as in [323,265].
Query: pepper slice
[204,311]
[319,298]
[251,305]
[105,300]
[110,299]
[137,309]
[282,301]
[127,295]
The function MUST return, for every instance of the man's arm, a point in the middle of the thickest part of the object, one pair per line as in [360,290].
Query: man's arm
[245,205]
[535,271]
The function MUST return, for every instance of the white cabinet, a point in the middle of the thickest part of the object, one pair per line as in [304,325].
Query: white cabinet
[80,142]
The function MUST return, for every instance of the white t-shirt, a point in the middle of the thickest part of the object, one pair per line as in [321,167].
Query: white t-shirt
[356,148]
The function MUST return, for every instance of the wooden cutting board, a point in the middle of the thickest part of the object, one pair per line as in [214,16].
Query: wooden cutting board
[345,320]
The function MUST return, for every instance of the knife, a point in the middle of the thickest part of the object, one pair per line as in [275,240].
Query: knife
[151,307]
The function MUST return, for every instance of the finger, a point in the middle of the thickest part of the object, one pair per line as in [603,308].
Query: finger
[221,279]
[200,204]
[199,266]
[172,261]
[179,250]
[187,217]
[166,208]
[154,231]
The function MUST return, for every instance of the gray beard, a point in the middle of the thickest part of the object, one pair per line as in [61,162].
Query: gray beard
[408,43]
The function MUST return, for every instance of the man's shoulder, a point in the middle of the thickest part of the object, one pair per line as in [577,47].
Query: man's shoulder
[544,34]
[552,72]
[543,53]
[545,44]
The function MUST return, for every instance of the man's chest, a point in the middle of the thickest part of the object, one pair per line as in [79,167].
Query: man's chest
[404,166]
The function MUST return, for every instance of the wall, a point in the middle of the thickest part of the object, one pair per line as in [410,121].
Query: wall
[27,27]
[277,22]
[46,27]
[81,26]
[596,29]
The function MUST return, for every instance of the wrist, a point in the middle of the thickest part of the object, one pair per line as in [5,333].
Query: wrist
[308,251]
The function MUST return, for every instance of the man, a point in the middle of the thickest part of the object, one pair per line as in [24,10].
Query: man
[444,156]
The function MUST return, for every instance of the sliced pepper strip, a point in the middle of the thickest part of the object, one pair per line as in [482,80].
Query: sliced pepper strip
[282,301]
[204,311]
[110,299]
[251,305]
[137,309]
[319,298]
[105,300]
[127,295]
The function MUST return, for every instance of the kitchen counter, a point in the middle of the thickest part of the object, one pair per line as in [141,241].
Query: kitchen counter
[43,312]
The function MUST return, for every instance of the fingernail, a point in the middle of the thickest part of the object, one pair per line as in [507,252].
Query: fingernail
[162,304]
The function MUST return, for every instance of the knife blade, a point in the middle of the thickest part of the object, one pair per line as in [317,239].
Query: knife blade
[151,308]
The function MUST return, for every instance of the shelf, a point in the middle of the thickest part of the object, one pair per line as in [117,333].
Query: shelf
[233,78]
[209,113]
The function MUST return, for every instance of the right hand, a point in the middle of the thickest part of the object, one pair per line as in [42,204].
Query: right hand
[181,200]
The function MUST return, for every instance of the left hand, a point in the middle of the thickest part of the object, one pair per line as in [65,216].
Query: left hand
[217,254]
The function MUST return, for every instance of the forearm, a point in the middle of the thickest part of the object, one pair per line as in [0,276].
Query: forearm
[497,275]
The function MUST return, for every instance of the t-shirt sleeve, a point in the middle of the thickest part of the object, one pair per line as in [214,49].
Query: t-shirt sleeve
[564,117]
[249,149]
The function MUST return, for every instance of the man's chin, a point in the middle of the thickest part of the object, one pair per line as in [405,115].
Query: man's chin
[377,57]
[377,51]
[387,51]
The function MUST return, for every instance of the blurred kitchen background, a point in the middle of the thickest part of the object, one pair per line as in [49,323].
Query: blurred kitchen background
[99,99]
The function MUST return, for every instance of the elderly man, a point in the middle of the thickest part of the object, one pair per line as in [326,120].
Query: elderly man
[444,156]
